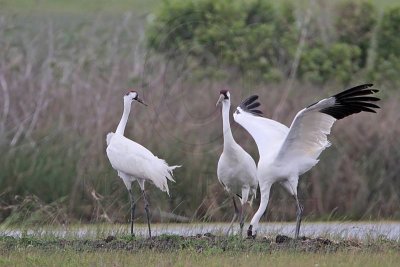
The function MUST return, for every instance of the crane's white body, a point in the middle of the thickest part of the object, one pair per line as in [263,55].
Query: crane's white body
[134,162]
[300,145]
[236,170]
[286,153]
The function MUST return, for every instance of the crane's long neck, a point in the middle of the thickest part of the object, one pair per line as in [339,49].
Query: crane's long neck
[122,124]
[226,126]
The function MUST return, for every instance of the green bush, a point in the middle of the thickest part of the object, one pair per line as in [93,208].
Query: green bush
[180,24]
[255,38]
[388,36]
[338,63]
[259,39]
[387,67]
[355,23]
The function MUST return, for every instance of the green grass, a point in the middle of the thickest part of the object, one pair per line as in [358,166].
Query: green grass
[34,257]
[78,6]
[110,6]
[208,250]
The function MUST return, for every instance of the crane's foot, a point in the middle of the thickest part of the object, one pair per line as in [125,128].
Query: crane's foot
[250,233]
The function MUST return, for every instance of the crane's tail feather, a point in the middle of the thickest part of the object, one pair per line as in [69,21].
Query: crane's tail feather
[170,172]
[166,173]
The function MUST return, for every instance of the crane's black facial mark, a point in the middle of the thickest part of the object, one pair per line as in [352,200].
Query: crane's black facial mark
[224,93]
[136,98]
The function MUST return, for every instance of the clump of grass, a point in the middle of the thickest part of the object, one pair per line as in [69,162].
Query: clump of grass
[31,211]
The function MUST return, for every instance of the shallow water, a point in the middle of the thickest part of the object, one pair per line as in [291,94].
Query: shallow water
[333,230]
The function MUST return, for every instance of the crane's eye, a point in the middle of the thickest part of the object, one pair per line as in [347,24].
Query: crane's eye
[237,112]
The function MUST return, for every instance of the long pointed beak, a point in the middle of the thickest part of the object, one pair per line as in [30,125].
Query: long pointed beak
[141,101]
[221,97]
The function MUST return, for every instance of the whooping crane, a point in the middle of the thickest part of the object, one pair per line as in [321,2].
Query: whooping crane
[287,153]
[133,162]
[237,171]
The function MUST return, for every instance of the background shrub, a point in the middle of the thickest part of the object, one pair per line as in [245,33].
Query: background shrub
[387,66]
[259,39]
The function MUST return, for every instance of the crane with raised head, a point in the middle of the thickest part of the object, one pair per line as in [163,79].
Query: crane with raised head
[134,162]
[286,153]
[237,171]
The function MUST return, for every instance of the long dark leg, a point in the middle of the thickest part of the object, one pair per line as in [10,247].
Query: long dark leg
[234,215]
[299,213]
[242,212]
[146,208]
[133,206]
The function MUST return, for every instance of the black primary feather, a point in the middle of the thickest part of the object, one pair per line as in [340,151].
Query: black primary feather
[250,105]
[353,100]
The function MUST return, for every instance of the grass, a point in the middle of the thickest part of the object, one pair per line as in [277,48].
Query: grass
[206,250]
[29,257]
[77,6]
[43,246]
[108,6]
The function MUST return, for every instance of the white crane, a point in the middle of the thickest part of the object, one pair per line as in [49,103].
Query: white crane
[286,153]
[133,162]
[237,171]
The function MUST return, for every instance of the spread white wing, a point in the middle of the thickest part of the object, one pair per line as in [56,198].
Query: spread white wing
[299,147]
[307,136]
[268,134]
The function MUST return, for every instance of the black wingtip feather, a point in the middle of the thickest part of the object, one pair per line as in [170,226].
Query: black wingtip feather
[353,100]
[249,105]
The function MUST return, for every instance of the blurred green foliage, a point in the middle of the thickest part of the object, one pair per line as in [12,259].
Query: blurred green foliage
[355,24]
[253,37]
[387,67]
[335,63]
[259,39]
